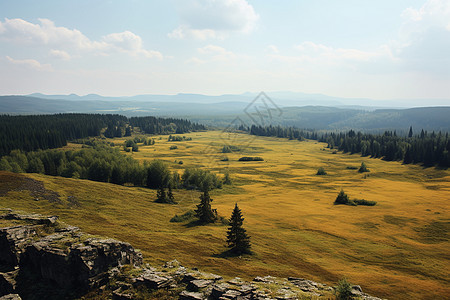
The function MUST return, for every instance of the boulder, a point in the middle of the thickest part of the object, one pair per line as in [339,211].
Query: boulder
[185,295]
[12,241]
[11,297]
[196,285]
[7,282]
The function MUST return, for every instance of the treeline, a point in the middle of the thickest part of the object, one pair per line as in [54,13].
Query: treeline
[106,164]
[425,148]
[30,133]
[291,133]
[153,125]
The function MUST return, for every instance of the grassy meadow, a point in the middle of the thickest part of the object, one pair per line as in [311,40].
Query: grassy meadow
[398,249]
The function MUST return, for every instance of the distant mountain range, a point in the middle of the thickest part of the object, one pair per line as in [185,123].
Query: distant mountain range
[313,111]
[280,98]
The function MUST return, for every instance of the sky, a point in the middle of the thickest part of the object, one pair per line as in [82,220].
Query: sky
[351,48]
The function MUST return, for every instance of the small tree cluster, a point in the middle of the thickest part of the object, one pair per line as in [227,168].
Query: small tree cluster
[342,198]
[204,212]
[321,171]
[163,197]
[363,168]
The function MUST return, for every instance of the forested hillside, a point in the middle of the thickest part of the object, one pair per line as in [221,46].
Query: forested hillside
[29,133]
[426,148]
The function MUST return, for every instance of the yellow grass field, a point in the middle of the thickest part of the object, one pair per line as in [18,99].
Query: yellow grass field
[398,249]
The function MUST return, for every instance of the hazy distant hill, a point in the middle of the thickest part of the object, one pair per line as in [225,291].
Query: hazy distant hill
[282,98]
[222,113]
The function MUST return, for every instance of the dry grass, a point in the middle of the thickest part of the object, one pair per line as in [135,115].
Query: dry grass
[397,249]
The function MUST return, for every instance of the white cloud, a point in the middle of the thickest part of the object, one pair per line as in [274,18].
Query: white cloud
[59,54]
[213,53]
[71,40]
[312,51]
[273,49]
[424,42]
[204,19]
[129,42]
[30,63]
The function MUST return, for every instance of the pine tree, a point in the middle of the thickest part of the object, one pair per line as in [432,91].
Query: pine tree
[363,168]
[410,134]
[161,196]
[227,179]
[204,212]
[170,197]
[237,239]
[342,198]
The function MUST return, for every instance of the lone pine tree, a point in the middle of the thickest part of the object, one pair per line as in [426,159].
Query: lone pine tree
[204,212]
[237,239]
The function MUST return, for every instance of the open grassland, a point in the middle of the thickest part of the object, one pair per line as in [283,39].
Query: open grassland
[398,249]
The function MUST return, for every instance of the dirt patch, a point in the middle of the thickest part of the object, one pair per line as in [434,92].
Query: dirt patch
[18,182]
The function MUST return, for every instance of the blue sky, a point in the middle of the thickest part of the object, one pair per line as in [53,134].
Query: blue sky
[360,48]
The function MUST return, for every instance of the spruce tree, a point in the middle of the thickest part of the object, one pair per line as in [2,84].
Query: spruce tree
[161,196]
[204,212]
[237,239]
[170,197]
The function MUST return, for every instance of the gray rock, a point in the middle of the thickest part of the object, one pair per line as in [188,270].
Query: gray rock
[120,295]
[11,297]
[153,281]
[185,295]
[265,279]
[8,282]
[12,241]
[196,285]
[231,294]
[218,290]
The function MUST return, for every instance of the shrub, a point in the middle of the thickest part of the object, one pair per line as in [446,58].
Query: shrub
[251,158]
[173,147]
[364,202]
[224,158]
[363,168]
[184,217]
[352,168]
[344,290]
[342,198]
[321,171]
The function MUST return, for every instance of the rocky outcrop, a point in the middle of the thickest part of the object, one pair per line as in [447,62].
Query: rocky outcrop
[44,259]
[64,258]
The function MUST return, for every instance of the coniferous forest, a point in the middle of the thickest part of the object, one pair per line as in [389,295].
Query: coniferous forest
[30,133]
[424,148]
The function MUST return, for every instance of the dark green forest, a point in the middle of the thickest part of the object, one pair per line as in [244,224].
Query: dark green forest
[101,162]
[425,148]
[30,133]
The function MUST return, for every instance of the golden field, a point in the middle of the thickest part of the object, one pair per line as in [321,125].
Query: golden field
[398,249]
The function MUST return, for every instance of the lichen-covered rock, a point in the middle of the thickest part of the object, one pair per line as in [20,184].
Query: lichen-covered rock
[185,295]
[12,241]
[11,297]
[7,282]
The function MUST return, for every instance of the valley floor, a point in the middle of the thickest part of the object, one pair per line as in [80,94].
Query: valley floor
[397,249]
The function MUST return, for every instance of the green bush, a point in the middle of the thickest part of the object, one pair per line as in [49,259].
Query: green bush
[321,171]
[251,158]
[363,168]
[184,217]
[344,290]
[173,147]
[342,198]
[364,202]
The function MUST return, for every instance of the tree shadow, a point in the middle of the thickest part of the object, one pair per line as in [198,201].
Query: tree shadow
[229,254]
[195,223]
